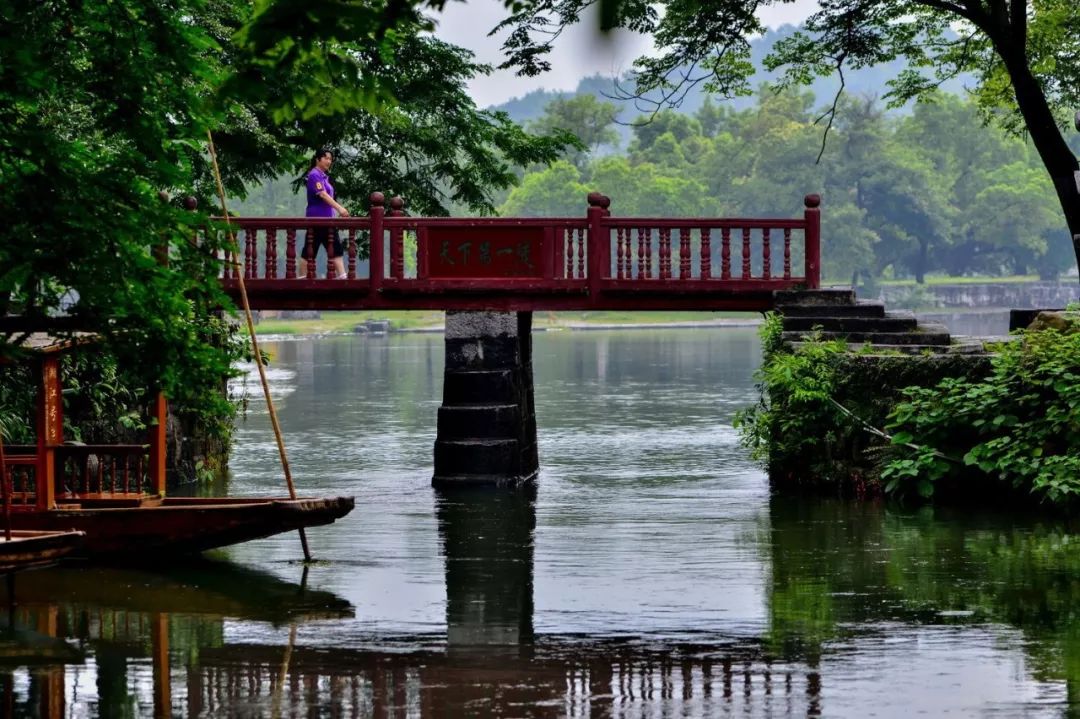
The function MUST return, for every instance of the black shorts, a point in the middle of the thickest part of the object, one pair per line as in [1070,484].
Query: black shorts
[319,237]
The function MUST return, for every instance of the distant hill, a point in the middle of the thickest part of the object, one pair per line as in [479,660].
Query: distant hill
[866,81]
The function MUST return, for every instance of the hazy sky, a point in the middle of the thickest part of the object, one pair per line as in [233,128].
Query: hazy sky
[579,52]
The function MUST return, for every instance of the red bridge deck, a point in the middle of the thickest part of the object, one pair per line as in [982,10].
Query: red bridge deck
[596,262]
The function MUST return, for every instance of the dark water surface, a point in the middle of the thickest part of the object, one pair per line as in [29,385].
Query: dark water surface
[651,574]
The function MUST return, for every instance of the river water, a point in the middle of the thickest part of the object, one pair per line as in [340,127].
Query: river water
[651,574]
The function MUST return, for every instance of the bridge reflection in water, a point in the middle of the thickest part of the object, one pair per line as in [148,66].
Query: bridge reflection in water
[219,640]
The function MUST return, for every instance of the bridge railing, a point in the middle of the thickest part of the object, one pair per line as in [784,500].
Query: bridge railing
[584,257]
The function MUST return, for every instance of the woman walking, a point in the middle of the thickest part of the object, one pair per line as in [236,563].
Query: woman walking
[321,203]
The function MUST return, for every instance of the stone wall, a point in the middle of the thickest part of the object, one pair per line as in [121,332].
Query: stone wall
[992,294]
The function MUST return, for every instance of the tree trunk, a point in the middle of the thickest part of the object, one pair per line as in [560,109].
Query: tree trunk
[920,262]
[1058,159]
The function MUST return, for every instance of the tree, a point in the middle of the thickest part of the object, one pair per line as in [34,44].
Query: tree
[1025,55]
[586,118]
[106,106]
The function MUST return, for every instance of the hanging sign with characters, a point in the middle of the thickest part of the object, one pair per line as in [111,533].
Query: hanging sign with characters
[457,252]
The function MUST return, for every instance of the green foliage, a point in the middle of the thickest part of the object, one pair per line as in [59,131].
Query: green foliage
[932,192]
[586,118]
[1024,56]
[1019,426]
[104,111]
[796,389]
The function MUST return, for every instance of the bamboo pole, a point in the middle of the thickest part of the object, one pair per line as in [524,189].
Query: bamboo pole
[5,490]
[254,341]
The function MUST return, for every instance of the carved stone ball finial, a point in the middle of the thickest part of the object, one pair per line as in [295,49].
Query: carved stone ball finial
[190,203]
[377,199]
[397,203]
[812,201]
[594,199]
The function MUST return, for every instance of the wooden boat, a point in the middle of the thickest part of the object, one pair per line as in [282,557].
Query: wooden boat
[115,494]
[147,528]
[29,549]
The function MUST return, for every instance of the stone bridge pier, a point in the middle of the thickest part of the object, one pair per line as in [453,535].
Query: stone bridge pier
[487,421]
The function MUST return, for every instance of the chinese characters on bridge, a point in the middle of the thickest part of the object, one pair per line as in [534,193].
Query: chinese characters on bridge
[485,252]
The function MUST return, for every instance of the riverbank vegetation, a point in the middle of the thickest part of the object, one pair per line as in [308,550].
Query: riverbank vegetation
[842,419]
[347,322]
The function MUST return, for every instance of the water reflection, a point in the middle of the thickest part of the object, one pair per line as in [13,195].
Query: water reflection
[487,543]
[650,573]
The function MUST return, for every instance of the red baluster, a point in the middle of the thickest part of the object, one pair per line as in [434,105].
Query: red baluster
[725,253]
[665,253]
[251,252]
[620,262]
[746,253]
[648,256]
[684,254]
[568,270]
[290,254]
[641,253]
[397,249]
[580,253]
[312,253]
[766,254]
[270,270]
[352,253]
[127,475]
[787,253]
[706,253]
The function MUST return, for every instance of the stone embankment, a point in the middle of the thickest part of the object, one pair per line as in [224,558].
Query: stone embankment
[990,294]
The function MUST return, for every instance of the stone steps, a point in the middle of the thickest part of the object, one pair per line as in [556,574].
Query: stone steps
[871,349]
[862,308]
[890,322]
[924,335]
[835,314]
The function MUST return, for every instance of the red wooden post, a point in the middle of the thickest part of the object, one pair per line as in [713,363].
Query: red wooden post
[665,253]
[706,253]
[813,241]
[568,254]
[158,417]
[290,254]
[375,241]
[642,271]
[270,268]
[313,252]
[397,243]
[725,253]
[599,242]
[684,254]
[352,253]
[50,429]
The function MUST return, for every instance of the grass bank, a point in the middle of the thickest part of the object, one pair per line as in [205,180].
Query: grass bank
[345,322]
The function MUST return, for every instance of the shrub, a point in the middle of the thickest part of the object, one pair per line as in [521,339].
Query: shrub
[1020,425]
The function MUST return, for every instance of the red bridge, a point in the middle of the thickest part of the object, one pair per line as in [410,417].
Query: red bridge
[596,262]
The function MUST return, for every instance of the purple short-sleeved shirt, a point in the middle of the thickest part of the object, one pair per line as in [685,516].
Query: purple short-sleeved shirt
[317,182]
